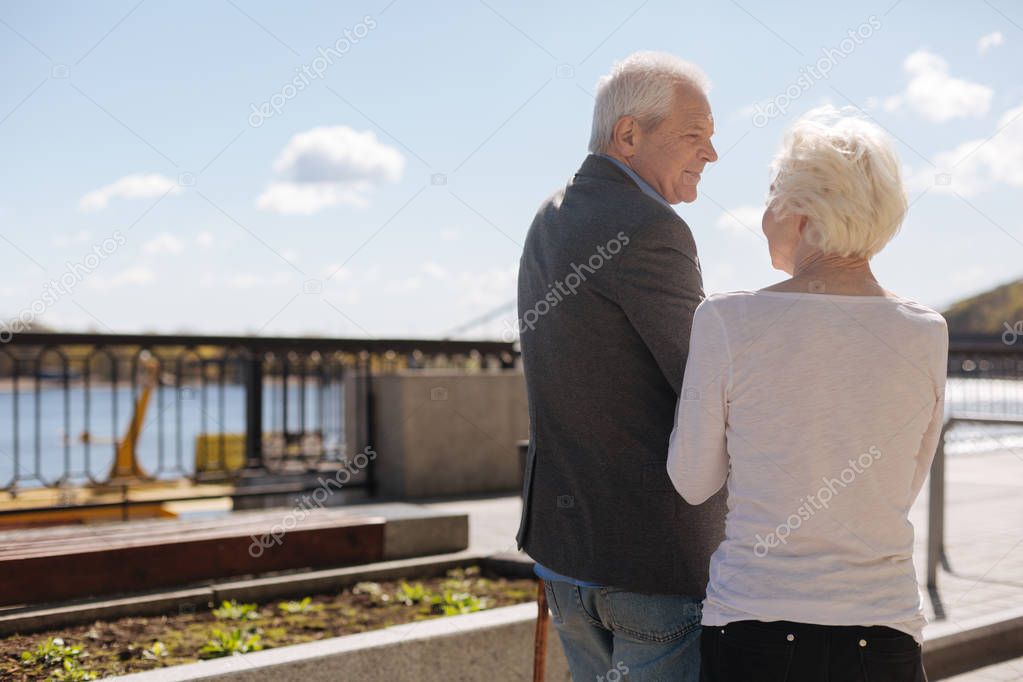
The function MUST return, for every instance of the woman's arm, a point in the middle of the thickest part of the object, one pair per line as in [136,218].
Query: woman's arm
[929,442]
[697,457]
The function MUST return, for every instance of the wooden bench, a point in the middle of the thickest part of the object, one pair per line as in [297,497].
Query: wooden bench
[69,562]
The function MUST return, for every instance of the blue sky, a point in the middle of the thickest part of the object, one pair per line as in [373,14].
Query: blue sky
[390,194]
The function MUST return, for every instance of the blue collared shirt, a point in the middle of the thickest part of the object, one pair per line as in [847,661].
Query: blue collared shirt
[643,184]
[547,574]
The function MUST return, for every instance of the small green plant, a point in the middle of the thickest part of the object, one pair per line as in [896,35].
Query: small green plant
[373,591]
[229,643]
[410,595]
[52,652]
[455,598]
[464,573]
[70,672]
[457,603]
[155,652]
[232,610]
[465,580]
[304,606]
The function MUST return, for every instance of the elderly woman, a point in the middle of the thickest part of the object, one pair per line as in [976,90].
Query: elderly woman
[819,401]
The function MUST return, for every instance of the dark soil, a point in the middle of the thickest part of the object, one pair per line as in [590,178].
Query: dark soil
[129,644]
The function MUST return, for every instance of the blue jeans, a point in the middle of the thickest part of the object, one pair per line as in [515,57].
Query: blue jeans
[610,634]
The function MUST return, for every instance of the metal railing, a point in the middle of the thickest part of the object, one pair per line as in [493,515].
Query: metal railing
[983,410]
[280,403]
[286,397]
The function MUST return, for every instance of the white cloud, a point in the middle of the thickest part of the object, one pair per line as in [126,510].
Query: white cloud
[133,276]
[719,277]
[989,41]
[335,271]
[163,243]
[244,280]
[976,165]
[743,220]
[971,277]
[292,198]
[204,239]
[250,280]
[404,285]
[338,154]
[936,95]
[137,186]
[487,288]
[329,166]
[434,270]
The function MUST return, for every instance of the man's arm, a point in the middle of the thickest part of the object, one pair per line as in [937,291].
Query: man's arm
[659,286]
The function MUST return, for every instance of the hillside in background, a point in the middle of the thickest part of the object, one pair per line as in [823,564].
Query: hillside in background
[989,312]
[13,324]
[985,313]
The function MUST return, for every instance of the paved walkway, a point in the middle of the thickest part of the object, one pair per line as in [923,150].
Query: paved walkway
[983,535]
[984,540]
[1010,671]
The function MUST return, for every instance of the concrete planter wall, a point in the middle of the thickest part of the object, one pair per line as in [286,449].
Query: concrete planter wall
[443,433]
[496,646]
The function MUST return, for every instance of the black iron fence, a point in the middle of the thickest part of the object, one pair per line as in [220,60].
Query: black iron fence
[984,376]
[983,412]
[230,406]
[199,407]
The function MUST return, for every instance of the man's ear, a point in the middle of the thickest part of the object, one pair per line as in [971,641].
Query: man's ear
[626,131]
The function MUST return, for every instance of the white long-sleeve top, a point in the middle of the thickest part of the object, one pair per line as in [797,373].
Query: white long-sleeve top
[822,413]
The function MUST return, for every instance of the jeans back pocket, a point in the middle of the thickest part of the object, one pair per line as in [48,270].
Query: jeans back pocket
[552,602]
[655,618]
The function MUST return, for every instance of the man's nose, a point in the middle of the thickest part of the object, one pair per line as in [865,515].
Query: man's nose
[710,153]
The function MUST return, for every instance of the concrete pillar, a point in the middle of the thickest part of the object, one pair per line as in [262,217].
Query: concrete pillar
[443,432]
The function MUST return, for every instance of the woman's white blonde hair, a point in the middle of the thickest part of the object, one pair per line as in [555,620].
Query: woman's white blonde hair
[841,172]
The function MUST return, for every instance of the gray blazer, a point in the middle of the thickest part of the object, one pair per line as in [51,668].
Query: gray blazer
[608,283]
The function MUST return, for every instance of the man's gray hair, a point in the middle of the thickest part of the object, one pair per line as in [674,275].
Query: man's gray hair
[641,85]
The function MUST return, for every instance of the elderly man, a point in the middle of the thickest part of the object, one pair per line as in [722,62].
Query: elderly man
[608,284]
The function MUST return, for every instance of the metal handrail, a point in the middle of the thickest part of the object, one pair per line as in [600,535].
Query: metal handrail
[936,496]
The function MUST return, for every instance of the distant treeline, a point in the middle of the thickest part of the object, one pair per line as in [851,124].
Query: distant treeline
[989,312]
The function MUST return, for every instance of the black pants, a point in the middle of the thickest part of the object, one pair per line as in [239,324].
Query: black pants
[783,651]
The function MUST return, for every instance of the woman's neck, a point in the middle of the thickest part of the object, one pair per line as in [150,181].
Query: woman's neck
[822,265]
[828,273]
